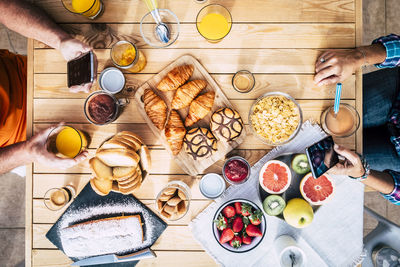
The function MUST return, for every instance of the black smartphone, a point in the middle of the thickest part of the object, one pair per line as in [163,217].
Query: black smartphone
[81,70]
[321,156]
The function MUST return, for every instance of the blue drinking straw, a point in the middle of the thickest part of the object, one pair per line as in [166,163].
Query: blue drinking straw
[337,98]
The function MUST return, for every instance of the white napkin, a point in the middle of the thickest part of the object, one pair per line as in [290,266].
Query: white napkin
[336,232]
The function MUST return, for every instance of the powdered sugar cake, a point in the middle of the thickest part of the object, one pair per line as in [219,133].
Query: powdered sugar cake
[89,207]
[103,236]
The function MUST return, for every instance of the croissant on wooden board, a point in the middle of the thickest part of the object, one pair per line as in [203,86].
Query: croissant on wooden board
[175,132]
[155,108]
[199,108]
[175,78]
[186,93]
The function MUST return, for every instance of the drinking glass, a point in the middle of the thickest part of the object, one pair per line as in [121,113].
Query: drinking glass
[56,198]
[243,81]
[125,55]
[66,142]
[343,124]
[214,22]
[88,8]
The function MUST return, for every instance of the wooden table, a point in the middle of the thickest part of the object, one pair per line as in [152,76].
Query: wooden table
[279,41]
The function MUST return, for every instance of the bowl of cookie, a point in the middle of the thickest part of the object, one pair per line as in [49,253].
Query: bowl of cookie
[172,202]
[275,118]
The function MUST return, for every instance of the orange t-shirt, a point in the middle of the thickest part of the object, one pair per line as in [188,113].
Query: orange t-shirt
[12,98]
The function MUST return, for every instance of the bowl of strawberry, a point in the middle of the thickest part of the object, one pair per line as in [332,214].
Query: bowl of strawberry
[239,225]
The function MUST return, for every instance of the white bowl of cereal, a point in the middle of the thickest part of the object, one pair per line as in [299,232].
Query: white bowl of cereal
[275,118]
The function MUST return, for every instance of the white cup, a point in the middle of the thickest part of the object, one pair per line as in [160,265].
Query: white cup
[112,80]
[284,246]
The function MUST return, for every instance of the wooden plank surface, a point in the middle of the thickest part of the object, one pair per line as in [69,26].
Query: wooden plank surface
[299,86]
[276,35]
[278,41]
[214,60]
[241,11]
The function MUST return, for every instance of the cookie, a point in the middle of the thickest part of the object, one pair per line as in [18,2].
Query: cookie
[226,124]
[200,143]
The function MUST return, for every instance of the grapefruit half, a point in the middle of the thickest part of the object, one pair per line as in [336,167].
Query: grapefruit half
[275,177]
[317,191]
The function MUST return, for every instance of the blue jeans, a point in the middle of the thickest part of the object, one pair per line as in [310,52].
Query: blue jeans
[380,89]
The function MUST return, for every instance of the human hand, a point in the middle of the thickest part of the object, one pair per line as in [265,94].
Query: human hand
[36,147]
[336,66]
[72,48]
[351,166]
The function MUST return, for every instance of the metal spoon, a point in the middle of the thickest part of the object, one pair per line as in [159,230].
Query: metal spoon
[162,31]
[292,258]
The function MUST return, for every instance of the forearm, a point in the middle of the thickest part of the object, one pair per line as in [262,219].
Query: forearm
[380,181]
[369,55]
[24,18]
[13,156]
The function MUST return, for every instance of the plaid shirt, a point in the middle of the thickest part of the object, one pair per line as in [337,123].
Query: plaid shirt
[392,45]
[394,197]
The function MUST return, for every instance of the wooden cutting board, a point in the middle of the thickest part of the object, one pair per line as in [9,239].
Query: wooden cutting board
[185,161]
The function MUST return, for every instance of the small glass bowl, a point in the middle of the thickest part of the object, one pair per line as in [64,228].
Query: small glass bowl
[243,161]
[215,181]
[293,134]
[247,75]
[148,26]
[184,188]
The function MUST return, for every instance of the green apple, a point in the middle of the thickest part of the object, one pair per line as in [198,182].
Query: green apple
[298,213]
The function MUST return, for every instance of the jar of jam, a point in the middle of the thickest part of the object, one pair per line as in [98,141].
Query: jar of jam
[236,170]
[126,55]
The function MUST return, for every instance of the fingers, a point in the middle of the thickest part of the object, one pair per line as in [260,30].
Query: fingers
[329,80]
[81,157]
[338,169]
[325,73]
[81,88]
[325,56]
[348,154]
[63,163]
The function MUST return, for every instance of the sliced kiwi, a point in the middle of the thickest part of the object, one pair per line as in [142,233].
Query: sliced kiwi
[274,205]
[300,164]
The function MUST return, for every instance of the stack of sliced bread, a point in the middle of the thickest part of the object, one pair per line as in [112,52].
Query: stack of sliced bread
[120,164]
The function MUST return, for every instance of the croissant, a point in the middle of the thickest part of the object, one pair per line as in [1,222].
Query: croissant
[199,108]
[175,78]
[155,108]
[186,93]
[175,132]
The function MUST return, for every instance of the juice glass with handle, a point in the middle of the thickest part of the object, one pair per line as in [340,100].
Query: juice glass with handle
[88,8]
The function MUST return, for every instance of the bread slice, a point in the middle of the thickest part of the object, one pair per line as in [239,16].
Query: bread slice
[100,170]
[130,190]
[115,157]
[137,137]
[130,139]
[145,159]
[131,145]
[130,181]
[115,143]
[121,173]
[101,187]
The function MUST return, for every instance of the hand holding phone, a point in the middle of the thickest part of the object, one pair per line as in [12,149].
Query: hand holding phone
[351,165]
[322,156]
[80,70]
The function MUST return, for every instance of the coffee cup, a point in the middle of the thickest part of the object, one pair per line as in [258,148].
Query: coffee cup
[288,252]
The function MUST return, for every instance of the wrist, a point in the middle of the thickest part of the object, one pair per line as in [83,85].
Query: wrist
[359,58]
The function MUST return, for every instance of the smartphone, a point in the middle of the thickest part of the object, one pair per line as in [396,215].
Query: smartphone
[81,70]
[321,156]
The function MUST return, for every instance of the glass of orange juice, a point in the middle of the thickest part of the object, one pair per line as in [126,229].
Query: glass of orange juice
[342,124]
[66,142]
[88,8]
[125,55]
[214,22]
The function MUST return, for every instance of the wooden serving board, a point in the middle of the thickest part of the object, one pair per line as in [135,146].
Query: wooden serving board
[185,161]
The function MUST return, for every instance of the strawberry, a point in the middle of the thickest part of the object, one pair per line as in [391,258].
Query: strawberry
[256,217]
[246,239]
[236,242]
[221,222]
[237,224]
[246,209]
[253,230]
[238,207]
[226,235]
[229,211]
